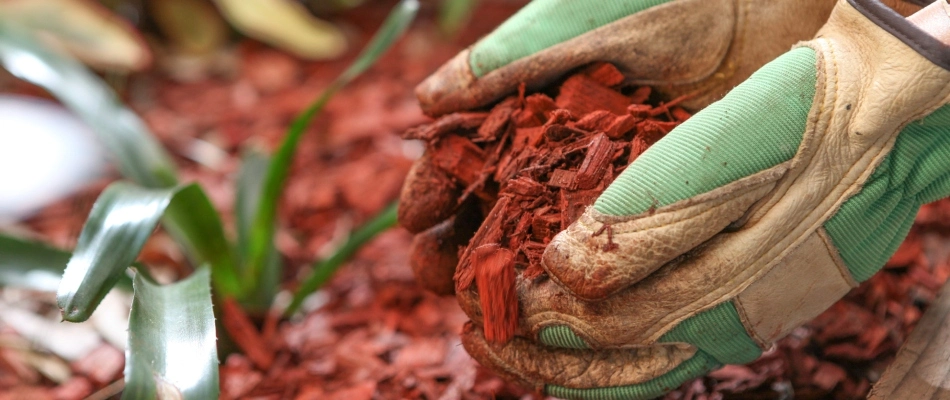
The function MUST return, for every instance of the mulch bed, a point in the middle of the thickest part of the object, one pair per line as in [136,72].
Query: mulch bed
[373,333]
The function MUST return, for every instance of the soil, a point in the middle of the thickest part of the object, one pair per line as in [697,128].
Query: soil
[373,332]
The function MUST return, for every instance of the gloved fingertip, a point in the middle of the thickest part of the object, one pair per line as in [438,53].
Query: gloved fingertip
[447,90]
[433,261]
[586,263]
[495,356]
[428,196]
[434,253]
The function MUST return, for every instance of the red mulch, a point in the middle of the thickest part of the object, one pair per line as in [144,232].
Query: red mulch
[534,163]
[373,333]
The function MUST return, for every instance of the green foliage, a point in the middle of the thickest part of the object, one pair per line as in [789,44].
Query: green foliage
[187,213]
[262,231]
[30,264]
[134,150]
[454,14]
[192,220]
[122,219]
[172,352]
[250,182]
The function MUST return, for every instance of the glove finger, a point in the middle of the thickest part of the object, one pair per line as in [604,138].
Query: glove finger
[634,373]
[698,180]
[428,196]
[434,253]
[675,41]
[657,310]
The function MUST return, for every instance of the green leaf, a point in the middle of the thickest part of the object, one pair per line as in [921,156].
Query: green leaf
[264,221]
[454,14]
[195,223]
[122,219]
[35,265]
[172,352]
[29,264]
[250,180]
[135,151]
[323,270]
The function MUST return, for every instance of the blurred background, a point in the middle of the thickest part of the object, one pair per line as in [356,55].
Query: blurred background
[255,48]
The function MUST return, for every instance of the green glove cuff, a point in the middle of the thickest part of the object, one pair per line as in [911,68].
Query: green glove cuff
[695,367]
[869,227]
[544,23]
[717,333]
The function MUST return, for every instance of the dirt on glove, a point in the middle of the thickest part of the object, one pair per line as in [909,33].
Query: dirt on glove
[526,170]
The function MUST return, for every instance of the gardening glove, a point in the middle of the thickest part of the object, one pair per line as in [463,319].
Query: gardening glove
[698,47]
[746,221]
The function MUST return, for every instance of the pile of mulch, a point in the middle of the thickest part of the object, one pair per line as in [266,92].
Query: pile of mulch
[535,163]
[373,332]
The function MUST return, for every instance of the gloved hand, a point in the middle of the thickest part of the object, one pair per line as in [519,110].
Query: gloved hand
[703,47]
[699,47]
[747,220]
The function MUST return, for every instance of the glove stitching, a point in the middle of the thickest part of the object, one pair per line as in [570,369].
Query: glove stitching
[747,324]
[701,304]
[724,197]
[923,49]
[836,257]
[889,139]
[553,318]
[619,283]
[728,67]
[822,47]
[711,210]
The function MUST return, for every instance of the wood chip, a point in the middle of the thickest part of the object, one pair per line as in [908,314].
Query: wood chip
[495,278]
[581,95]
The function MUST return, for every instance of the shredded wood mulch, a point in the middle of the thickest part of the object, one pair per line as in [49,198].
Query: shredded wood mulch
[373,333]
[534,162]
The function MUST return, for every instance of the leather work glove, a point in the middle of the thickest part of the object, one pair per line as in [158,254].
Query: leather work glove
[698,47]
[749,219]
